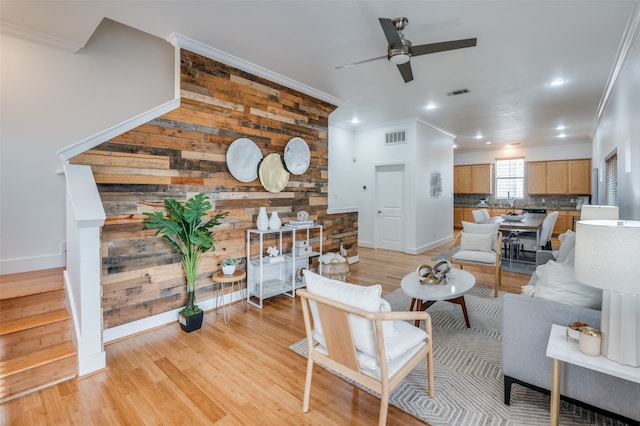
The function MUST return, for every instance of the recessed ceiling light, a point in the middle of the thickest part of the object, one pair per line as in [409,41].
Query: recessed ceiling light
[561,127]
[557,82]
[488,142]
[455,146]
[478,136]
[355,120]
[562,135]
[430,105]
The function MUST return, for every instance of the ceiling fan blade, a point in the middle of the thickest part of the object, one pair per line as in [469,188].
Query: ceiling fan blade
[361,62]
[390,32]
[405,70]
[424,49]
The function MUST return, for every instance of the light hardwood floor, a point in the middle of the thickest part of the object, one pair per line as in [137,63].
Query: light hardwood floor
[241,373]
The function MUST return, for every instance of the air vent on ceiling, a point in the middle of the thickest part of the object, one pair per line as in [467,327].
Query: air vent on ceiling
[458,92]
[393,138]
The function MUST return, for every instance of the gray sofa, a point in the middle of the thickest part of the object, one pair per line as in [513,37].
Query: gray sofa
[526,326]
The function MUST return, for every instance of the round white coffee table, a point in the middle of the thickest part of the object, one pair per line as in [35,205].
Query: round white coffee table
[424,295]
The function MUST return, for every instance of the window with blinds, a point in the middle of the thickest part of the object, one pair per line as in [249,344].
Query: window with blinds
[510,178]
[611,179]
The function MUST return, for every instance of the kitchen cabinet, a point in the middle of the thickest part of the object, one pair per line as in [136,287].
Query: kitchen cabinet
[472,179]
[579,176]
[536,177]
[462,214]
[559,177]
[556,177]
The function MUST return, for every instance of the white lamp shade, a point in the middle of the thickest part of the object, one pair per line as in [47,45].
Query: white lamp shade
[589,212]
[607,255]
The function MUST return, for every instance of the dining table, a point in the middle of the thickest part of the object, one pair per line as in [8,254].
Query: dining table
[530,222]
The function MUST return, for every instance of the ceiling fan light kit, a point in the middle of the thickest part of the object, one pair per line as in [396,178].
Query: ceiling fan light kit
[400,50]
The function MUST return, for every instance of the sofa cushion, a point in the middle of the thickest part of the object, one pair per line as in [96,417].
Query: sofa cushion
[556,282]
[566,253]
[483,228]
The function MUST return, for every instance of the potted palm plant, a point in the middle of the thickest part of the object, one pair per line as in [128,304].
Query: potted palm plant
[183,228]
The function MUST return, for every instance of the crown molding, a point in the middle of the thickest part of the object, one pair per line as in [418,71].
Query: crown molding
[194,46]
[38,37]
[629,39]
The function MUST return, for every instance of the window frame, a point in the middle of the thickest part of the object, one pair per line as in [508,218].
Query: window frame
[511,177]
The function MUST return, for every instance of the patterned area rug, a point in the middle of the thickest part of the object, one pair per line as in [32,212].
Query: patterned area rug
[507,265]
[467,372]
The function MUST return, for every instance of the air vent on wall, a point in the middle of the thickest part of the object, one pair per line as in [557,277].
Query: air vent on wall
[393,138]
[458,92]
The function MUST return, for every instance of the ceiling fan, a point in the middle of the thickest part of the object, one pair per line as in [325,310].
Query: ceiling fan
[401,50]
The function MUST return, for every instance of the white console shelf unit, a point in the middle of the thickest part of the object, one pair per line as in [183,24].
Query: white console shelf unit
[266,279]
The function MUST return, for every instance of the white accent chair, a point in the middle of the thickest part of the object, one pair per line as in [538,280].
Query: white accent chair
[351,330]
[589,212]
[481,215]
[479,245]
[528,239]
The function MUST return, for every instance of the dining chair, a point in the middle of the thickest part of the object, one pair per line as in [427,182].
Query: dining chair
[479,245]
[481,215]
[352,332]
[545,234]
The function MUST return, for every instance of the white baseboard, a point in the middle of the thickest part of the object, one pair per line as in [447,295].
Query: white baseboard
[431,245]
[36,263]
[159,320]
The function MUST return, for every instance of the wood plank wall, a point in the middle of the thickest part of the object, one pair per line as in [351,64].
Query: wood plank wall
[183,153]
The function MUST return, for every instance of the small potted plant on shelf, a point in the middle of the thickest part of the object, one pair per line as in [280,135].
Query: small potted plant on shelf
[190,236]
[228,265]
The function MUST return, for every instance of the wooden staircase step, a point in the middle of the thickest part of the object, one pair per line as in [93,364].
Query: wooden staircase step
[20,307]
[33,282]
[38,369]
[31,340]
[33,321]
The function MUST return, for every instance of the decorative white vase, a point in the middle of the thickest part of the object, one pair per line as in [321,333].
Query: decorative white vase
[263,220]
[275,222]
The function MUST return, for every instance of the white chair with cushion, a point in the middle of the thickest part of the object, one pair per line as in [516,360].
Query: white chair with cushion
[355,334]
[481,215]
[480,245]
[589,212]
[528,239]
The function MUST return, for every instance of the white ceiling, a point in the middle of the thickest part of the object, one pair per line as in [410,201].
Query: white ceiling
[522,46]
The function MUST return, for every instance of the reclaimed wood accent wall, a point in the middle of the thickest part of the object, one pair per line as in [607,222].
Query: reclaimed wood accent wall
[183,153]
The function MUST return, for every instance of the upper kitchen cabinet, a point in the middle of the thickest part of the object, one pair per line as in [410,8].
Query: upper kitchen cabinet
[472,179]
[559,177]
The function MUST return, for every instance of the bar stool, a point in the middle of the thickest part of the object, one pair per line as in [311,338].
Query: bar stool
[229,280]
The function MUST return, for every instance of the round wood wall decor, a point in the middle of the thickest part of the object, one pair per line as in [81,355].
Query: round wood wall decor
[273,175]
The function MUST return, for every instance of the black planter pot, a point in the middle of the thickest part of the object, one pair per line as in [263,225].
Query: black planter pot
[192,322]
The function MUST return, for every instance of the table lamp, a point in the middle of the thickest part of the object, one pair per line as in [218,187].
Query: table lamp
[606,257]
[589,212]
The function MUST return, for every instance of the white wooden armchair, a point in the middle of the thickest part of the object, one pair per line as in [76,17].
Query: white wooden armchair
[479,245]
[376,349]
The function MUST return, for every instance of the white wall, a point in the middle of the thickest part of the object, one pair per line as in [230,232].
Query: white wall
[557,151]
[618,129]
[51,99]
[342,191]
[429,221]
[434,155]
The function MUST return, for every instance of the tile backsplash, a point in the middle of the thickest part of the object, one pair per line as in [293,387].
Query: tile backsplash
[551,202]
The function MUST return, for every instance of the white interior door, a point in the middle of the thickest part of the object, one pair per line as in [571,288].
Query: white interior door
[389,215]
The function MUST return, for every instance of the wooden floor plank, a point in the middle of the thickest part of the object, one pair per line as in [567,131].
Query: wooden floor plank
[241,373]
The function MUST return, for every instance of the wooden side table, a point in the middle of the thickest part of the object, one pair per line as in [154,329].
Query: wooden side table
[229,281]
[561,350]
